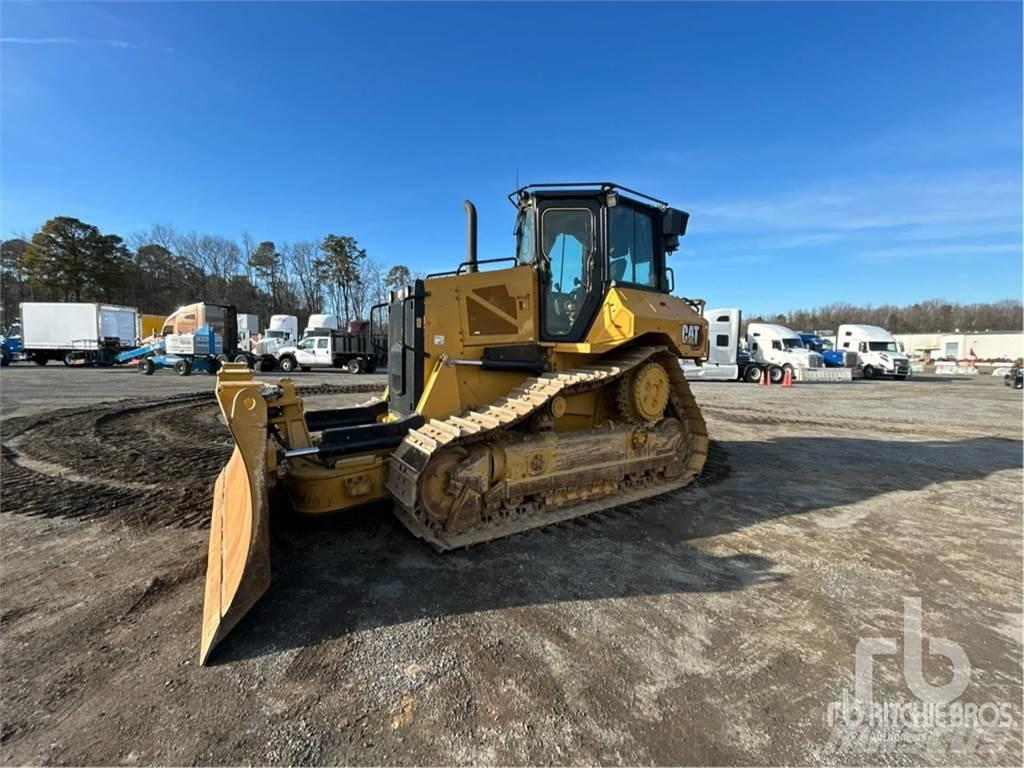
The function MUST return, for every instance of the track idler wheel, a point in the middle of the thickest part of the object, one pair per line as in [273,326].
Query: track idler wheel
[643,394]
[453,485]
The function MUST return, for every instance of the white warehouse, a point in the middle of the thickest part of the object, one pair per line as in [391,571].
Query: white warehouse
[986,345]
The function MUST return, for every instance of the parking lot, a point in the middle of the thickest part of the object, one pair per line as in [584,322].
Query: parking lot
[712,625]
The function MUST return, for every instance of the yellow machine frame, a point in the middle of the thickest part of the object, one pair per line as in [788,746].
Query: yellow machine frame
[484,309]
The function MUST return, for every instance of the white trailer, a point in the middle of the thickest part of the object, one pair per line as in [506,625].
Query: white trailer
[77,333]
[877,349]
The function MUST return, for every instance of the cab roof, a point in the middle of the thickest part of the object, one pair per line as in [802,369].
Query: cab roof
[773,328]
[583,189]
[867,332]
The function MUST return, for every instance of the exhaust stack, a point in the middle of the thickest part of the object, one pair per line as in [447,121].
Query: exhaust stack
[471,235]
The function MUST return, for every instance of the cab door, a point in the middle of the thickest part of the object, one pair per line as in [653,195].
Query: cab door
[305,352]
[571,245]
[322,351]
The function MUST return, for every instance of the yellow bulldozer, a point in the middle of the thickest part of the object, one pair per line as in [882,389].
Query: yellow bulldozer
[517,396]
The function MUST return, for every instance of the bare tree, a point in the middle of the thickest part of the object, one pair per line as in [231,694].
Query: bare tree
[307,278]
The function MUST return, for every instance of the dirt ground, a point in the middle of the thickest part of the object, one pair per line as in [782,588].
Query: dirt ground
[714,625]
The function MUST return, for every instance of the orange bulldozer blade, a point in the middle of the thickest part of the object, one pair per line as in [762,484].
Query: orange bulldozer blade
[238,570]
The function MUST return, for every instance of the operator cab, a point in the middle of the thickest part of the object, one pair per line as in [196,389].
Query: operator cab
[583,238]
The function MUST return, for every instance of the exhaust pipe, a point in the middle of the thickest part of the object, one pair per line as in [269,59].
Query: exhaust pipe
[471,235]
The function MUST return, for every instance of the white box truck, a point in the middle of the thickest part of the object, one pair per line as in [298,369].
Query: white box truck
[77,333]
[877,350]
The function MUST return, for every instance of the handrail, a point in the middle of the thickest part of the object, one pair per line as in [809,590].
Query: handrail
[458,271]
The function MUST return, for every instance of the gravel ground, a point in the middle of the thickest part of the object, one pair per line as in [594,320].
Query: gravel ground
[712,625]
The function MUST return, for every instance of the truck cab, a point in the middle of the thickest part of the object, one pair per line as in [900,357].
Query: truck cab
[320,325]
[192,317]
[10,343]
[832,357]
[726,361]
[283,331]
[777,344]
[877,349]
[312,351]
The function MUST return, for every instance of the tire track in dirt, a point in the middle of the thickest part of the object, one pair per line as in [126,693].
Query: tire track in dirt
[142,461]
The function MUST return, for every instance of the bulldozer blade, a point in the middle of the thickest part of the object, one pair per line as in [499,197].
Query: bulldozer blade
[238,569]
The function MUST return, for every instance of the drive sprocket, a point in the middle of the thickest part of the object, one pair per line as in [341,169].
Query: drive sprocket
[643,394]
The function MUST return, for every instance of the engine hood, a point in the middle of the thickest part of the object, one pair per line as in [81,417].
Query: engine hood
[809,357]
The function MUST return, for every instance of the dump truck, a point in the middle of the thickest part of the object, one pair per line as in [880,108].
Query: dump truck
[356,350]
[517,396]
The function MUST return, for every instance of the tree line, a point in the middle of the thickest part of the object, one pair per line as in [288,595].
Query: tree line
[931,316]
[160,268]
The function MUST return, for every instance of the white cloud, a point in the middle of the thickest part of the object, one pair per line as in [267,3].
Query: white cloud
[959,251]
[873,203]
[951,217]
[69,41]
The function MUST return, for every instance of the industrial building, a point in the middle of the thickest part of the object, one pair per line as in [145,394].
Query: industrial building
[983,345]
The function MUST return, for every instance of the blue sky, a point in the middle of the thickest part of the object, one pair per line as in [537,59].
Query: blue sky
[868,153]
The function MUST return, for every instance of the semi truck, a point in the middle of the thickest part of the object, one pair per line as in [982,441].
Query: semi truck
[767,351]
[224,320]
[283,331]
[79,333]
[780,348]
[357,352]
[833,358]
[877,350]
[318,325]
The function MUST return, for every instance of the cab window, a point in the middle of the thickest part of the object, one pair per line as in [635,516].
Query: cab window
[526,237]
[567,243]
[631,247]
[321,343]
[307,344]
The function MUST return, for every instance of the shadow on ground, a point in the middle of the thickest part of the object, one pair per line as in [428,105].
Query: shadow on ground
[362,569]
